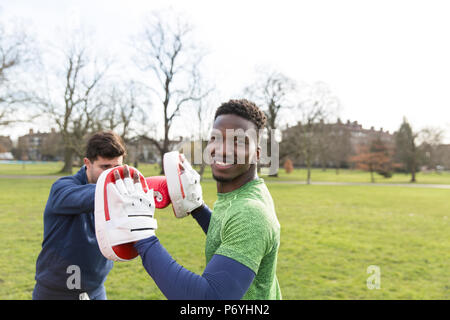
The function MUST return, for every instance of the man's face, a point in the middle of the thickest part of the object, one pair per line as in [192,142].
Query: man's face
[233,147]
[95,168]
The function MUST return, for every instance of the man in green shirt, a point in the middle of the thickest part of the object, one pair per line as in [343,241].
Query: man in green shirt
[243,226]
[242,232]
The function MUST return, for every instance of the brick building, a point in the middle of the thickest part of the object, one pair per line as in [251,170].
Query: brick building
[40,146]
[333,143]
[6,144]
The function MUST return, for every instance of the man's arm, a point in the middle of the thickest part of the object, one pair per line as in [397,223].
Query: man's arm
[67,197]
[223,278]
[203,216]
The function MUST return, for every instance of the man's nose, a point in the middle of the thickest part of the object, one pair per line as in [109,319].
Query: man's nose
[222,150]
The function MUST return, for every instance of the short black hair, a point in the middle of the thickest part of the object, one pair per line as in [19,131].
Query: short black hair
[106,144]
[245,109]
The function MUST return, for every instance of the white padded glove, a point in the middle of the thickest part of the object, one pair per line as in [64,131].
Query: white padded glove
[183,183]
[124,212]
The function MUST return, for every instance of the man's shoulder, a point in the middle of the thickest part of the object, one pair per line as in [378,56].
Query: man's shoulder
[252,214]
[77,178]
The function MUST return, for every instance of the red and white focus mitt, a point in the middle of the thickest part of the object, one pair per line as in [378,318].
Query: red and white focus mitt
[124,212]
[160,191]
[183,183]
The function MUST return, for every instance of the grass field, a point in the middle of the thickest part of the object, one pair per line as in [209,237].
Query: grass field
[330,235]
[319,175]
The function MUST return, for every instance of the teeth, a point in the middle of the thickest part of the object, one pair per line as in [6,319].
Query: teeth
[220,163]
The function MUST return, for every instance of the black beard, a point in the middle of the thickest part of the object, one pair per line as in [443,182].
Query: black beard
[226,180]
[223,180]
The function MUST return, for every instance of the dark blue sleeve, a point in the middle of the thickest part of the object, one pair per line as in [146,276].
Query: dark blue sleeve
[68,197]
[222,279]
[202,215]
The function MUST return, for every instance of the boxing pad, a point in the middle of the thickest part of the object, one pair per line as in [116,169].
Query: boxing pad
[124,213]
[183,183]
[160,191]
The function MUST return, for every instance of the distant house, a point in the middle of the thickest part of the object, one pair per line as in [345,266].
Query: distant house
[334,142]
[443,152]
[360,136]
[6,156]
[40,146]
[141,149]
[6,144]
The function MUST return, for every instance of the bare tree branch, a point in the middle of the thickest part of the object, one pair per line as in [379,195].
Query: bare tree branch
[165,48]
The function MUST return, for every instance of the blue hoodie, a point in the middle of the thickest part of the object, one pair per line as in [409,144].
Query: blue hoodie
[69,237]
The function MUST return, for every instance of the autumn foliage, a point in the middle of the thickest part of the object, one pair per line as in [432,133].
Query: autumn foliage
[288,166]
[375,158]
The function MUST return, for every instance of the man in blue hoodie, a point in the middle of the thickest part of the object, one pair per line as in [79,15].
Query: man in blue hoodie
[70,264]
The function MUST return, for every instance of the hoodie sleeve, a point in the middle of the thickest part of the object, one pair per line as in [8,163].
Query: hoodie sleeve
[222,279]
[69,197]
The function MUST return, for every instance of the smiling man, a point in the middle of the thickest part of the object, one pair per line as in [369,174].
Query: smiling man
[243,226]
[70,265]
[242,232]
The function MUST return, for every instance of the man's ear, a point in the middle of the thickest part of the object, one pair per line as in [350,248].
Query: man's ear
[87,162]
[258,153]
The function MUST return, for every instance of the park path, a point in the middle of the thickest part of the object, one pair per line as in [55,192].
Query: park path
[331,183]
[11,176]
[320,183]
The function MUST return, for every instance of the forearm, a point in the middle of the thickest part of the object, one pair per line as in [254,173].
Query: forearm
[203,216]
[223,278]
[73,199]
[174,281]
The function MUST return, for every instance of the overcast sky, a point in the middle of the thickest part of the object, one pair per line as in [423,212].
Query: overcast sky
[383,59]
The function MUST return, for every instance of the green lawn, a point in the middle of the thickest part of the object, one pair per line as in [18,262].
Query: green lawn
[53,168]
[318,175]
[330,235]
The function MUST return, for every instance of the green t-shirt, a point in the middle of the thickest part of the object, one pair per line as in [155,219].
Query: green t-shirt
[244,227]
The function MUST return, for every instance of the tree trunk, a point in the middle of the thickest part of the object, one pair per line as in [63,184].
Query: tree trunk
[68,161]
[308,170]
[269,149]
[308,175]
[413,166]
[161,165]
[413,172]
[202,170]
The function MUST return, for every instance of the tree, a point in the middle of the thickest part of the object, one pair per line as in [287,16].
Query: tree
[121,110]
[75,106]
[167,51]
[374,158]
[317,107]
[429,141]
[205,122]
[17,52]
[123,113]
[288,166]
[407,152]
[272,91]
